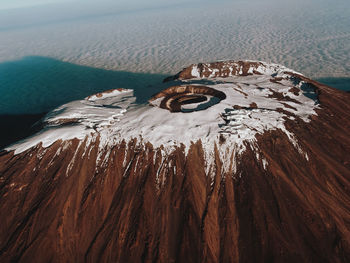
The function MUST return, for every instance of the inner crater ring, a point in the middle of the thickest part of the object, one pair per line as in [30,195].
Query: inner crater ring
[187,98]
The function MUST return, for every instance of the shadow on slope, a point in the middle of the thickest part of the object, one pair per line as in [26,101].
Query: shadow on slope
[16,127]
[338,83]
[32,86]
[38,84]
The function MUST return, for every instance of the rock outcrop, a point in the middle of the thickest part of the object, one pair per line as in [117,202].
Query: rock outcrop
[267,178]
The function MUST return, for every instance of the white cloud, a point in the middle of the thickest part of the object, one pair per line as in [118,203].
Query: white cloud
[11,4]
[311,38]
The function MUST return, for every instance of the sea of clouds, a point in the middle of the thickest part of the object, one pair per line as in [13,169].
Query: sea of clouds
[310,36]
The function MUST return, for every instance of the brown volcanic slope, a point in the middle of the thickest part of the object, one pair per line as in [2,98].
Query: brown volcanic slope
[295,210]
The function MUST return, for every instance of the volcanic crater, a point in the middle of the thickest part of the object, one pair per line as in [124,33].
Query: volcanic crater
[177,98]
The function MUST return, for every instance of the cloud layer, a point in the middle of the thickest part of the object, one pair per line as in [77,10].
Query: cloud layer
[311,37]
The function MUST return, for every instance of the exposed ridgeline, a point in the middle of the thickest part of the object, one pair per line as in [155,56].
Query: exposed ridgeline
[262,174]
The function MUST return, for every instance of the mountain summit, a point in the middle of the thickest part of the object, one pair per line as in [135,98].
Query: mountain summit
[235,161]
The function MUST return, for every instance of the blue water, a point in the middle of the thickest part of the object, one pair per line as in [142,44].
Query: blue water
[38,84]
[338,83]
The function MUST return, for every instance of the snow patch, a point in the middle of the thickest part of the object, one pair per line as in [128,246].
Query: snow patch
[195,72]
[250,108]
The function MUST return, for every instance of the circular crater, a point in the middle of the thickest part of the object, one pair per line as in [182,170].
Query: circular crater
[187,98]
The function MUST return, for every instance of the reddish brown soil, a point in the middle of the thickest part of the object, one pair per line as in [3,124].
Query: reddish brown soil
[253,105]
[295,91]
[281,97]
[276,80]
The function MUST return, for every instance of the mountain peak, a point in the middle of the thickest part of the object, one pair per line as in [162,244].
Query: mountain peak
[233,161]
[226,103]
